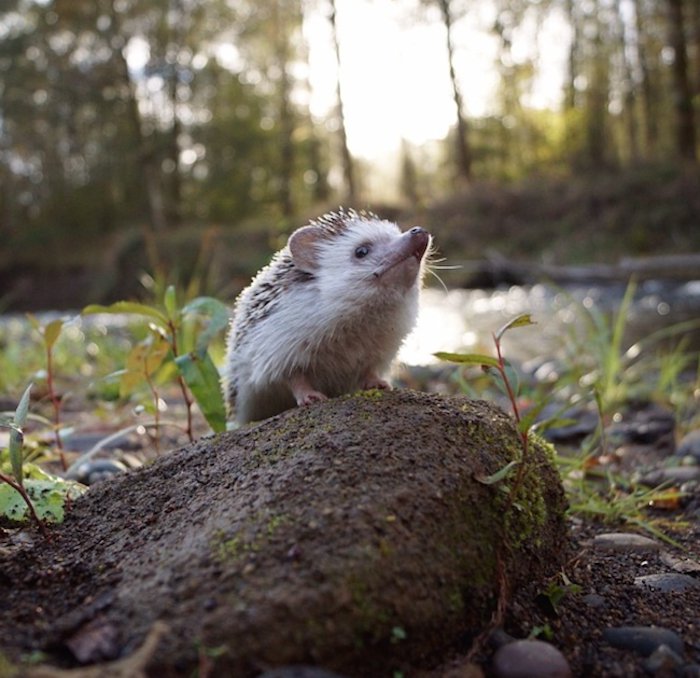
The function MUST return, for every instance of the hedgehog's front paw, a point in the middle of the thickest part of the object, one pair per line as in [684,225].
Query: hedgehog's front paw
[304,393]
[373,381]
[310,398]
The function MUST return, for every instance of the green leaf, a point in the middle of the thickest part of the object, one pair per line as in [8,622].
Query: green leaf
[219,313]
[17,435]
[22,410]
[51,332]
[202,378]
[521,320]
[129,307]
[468,359]
[500,475]
[141,362]
[170,302]
[15,450]
[48,495]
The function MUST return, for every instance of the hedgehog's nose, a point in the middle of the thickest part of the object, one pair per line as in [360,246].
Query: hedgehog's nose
[420,239]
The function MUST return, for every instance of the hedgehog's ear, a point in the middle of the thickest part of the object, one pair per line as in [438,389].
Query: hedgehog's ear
[302,245]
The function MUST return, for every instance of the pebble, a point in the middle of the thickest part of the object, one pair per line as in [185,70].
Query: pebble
[643,640]
[689,446]
[82,442]
[583,424]
[663,661]
[299,672]
[670,582]
[684,565]
[645,427]
[624,541]
[594,600]
[530,659]
[673,474]
[97,470]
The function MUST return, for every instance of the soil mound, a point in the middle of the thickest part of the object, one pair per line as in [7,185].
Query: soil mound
[357,535]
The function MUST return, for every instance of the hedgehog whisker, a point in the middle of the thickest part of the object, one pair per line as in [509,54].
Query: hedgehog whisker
[437,277]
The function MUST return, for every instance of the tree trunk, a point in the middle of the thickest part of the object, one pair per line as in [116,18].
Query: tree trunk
[630,96]
[285,112]
[464,156]
[570,97]
[347,162]
[682,95]
[649,106]
[177,23]
[597,97]
[147,161]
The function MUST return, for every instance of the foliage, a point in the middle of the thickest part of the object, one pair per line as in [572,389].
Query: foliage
[602,362]
[25,489]
[130,113]
[612,376]
[177,339]
[507,381]
[49,335]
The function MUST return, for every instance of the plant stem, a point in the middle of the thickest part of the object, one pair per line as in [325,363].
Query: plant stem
[523,435]
[56,403]
[23,493]
[183,387]
[156,414]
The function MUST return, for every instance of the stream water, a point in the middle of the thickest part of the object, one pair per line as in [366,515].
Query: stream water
[464,320]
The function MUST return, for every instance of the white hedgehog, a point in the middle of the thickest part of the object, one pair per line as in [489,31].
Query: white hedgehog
[326,316]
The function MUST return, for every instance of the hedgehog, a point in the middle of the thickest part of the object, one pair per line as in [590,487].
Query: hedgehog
[325,317]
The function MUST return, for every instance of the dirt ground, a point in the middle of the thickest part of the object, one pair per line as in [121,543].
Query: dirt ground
[355,535]
[63,595]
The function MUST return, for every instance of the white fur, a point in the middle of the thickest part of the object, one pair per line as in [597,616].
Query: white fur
[337,330]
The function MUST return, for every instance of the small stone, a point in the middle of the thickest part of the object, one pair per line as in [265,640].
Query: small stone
[530,659]
[670,582]
[644,427]
[463,670]
[690,445]
[663,661]
[594,600]
[673,474]
[582,424]
[299,672]
[643,640]
[97,470]
[684,565]
[624,541]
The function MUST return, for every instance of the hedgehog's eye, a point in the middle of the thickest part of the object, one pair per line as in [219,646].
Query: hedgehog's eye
[362,251]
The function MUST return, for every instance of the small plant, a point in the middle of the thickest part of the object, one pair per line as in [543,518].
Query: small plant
[26,490]
[173,343]
[49,334]
[507,380]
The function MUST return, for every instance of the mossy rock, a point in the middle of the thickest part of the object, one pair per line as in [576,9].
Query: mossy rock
[357,535]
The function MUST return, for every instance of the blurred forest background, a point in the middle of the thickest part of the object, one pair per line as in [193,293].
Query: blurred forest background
[179,137]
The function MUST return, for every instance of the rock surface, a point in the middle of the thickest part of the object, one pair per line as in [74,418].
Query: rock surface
[357,535]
